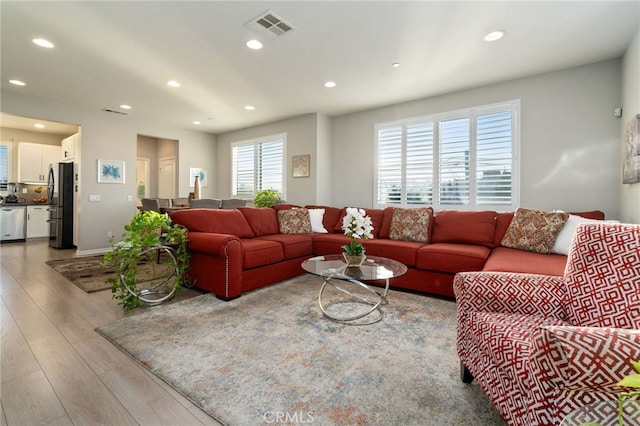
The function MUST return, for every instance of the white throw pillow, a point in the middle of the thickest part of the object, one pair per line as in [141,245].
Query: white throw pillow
[563,241]
[316,216]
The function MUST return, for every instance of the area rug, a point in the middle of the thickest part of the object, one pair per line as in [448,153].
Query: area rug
[270,356]
[85,272]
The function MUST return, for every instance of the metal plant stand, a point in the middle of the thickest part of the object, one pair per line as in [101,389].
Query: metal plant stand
[154,283]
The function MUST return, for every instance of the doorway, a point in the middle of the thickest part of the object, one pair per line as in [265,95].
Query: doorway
[143,179]
[167,177]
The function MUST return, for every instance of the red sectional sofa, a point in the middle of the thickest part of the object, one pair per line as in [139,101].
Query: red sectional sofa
[235,251]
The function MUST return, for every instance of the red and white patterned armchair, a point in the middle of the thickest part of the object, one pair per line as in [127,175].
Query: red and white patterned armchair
[542,346]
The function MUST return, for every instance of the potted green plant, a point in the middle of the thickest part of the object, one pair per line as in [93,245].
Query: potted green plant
[266,198]
[139,255]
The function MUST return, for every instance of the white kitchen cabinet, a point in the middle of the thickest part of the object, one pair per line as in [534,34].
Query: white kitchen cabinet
[37,221]
[34,160]
[69,148]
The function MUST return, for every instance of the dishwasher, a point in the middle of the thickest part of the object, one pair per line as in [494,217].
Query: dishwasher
[12,222]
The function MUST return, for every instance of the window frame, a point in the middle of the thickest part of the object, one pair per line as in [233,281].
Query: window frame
[435,119]
[282,137]
[4,187]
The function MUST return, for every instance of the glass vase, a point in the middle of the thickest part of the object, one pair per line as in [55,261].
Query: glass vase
[354,259]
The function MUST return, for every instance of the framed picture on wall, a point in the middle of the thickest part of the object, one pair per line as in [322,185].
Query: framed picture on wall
[110,171]
[201,173]
[301,165]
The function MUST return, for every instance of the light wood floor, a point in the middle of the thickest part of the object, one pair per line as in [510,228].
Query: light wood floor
[55,369]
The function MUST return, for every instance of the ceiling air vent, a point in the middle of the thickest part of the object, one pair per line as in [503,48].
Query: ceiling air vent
[113,111]
[270,24]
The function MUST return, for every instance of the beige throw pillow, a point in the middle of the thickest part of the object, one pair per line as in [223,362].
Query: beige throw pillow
[294,221]
[410,224]
[534,230]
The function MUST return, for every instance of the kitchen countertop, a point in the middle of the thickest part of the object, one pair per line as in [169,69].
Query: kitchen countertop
[23,204]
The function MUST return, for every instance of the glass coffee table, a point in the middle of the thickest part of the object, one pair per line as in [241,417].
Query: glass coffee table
[344,296]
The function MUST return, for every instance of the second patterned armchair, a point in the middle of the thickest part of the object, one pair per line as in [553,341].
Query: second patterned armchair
[543,346]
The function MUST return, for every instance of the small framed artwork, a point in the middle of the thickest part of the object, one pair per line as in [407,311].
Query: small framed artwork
[110,171]
[202,175]
[301,165]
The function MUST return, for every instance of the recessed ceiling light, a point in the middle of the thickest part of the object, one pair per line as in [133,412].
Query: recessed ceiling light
[18,82]
[493,36]
[254,44]
[196,122]
[395,64]
[173,83]
[330,84]
[249,107]
[43,43]
[125,106]
[39,126]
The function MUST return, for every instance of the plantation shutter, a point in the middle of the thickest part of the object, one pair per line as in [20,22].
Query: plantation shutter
[419,164]
[390,165]
[243,171]
[270,163]
[258,165]
[494,158]
[4,167]
[454,176]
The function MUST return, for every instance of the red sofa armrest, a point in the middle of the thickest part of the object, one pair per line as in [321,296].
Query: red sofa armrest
[208,243]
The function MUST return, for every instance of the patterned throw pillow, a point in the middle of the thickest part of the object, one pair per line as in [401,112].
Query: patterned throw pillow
[534,230]
[410,224]
[294,221]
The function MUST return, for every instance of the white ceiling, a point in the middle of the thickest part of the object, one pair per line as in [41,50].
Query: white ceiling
[113,53]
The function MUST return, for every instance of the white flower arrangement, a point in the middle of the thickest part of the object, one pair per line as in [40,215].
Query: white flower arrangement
[356,225]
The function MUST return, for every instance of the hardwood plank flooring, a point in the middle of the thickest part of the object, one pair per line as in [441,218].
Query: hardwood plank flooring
[55,369]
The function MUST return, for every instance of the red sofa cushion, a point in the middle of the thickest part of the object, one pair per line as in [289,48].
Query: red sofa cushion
[292,245]
[259,252]
[217,221]
[401,251]
[505,259]
[376,215]
[263,221]
[451,257]
[465,227]
[329,243]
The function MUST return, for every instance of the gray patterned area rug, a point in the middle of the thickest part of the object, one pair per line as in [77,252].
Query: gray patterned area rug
[272,357]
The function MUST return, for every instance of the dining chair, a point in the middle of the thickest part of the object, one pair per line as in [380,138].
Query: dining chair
[233,203]
[150,204]
[179,202]
[205,203]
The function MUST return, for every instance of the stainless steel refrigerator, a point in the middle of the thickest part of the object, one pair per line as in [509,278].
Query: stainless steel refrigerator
[60,186]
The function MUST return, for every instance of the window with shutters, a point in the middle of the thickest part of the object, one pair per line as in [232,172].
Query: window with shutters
[258,165]
[5,171]
[463,159]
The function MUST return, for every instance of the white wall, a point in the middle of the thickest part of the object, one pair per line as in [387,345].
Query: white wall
[630,193]
[110,136]
[569,138]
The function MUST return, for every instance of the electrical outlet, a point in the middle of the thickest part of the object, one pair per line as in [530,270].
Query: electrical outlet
[93,197]
[109,234]
[24,190]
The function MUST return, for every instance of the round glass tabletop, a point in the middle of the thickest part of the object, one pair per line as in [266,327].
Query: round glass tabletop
[373,268]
